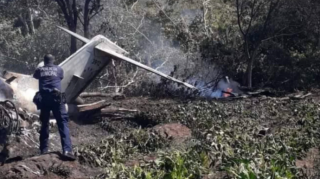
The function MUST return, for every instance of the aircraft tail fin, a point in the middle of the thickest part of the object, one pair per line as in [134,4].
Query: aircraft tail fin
[81,68]
[79,37]
[107,42]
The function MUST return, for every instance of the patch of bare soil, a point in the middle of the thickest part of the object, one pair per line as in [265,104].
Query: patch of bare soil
[310,164]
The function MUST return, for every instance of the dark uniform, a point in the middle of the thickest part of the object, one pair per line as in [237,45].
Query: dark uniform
[50,77]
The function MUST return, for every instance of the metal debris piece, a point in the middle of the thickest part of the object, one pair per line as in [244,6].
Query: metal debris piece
[9,117]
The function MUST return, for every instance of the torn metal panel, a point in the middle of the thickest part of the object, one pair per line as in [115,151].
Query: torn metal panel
[6,92]
[24,88]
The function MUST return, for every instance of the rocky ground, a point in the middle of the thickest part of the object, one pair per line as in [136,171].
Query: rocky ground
[260,137]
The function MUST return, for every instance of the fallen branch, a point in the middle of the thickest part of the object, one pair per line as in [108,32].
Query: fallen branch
[93,106]
[98,94]
[118,113]
[301,96]
[117,110]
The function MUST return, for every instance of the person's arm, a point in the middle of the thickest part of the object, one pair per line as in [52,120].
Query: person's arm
[36,74]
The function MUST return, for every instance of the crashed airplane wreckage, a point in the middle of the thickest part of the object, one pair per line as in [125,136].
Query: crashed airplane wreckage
[80,70]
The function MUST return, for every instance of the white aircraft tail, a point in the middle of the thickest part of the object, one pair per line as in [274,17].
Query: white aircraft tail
[83,66]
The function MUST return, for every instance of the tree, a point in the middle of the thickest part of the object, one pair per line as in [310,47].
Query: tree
[91,9]
[254,18]
[72,12]
[22,45]
[26,14]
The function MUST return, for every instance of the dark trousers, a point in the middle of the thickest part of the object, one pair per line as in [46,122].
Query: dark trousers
[60,114]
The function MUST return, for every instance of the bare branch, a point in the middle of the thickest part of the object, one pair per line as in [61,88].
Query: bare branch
[239,22]
[163,63]
[134,4]
[252,15]
[137,30]
[141,22]
[205,3]
[281,35]
[156,3]
[96,13]
[79,18]
[271,9]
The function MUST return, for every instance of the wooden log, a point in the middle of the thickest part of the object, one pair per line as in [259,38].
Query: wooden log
[93,106]
[115,110]
[99,94]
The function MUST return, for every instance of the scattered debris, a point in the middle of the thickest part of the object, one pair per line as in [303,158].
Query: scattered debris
[12,119]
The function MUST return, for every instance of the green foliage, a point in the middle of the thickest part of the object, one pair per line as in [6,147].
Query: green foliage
[118,148]
[182,165]
[168,165]
[248,139]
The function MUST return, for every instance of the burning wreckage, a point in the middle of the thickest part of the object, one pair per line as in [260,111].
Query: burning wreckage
[80,69]
[17,90]
[18,113]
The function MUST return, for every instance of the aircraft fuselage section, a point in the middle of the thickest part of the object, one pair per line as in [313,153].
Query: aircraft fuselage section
[24,88]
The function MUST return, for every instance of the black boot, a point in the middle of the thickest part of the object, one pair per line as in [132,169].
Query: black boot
[69,156]
[44,152]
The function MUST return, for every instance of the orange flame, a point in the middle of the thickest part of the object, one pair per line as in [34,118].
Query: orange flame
[226,94]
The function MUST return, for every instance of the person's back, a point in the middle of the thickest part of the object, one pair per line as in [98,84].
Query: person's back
[50,77]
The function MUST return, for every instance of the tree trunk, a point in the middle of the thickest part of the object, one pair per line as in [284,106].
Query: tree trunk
[73,41]
[252,58]
[249,72]
[25,27]
[30,20]
[73,47]
[70,13]
[86,19]
[86,30]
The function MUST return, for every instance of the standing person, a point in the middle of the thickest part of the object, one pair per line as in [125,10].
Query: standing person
[50,77]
